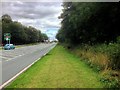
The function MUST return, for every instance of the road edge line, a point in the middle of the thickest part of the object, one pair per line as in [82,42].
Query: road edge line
[7,82]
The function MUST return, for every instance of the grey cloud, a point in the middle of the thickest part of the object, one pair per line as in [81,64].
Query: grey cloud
[30,10]
[42,15]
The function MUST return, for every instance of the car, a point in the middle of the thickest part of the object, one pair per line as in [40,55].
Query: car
[9,46]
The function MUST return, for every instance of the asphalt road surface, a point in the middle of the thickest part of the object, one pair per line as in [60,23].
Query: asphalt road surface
[13,61]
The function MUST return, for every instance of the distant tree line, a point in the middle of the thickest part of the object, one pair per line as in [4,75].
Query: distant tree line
[20,34]
[89,23]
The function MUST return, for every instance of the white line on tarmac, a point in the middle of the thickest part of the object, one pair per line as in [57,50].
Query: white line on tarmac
[4,57]
[7,82]
[15,57]
[3,85]
[9,59]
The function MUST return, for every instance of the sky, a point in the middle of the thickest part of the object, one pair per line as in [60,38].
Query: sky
[41,15]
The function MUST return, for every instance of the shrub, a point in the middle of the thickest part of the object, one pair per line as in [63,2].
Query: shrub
[114,54]
[112,50]
[110,79]
[118,40]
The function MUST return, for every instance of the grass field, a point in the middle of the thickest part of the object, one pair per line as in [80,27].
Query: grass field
[58,69]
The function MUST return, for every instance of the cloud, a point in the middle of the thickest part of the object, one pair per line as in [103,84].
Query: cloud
[41,15]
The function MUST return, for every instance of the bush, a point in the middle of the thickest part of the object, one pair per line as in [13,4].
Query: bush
[114,54]
[110,79]
[118,40]
[112,50]
[102,57]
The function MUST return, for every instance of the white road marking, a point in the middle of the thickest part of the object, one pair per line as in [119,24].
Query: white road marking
[14,57]
[11,57]
[4,57]
[3,85]
[7,82]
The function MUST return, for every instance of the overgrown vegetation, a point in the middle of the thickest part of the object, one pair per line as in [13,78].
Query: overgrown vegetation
[104,59]
[20,34]
[91,30]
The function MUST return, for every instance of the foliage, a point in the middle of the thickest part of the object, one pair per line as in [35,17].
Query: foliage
[109,54]
[20,34]
[95,28]
[103,58]
[118,39]
[114,54]
[111,79]
[6,18]
[112,50]
[89,23]
[44,37]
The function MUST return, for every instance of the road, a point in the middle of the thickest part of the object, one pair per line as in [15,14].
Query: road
[13,61]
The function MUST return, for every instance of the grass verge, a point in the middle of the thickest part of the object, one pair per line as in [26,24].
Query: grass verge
[58,69]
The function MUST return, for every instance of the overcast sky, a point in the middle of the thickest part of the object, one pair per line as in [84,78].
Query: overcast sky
[41,15]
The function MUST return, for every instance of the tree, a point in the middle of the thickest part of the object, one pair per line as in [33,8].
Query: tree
[20,34]
[89,22]
[44,37]
[6,18]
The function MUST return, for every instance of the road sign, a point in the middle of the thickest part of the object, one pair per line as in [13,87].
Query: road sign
[7,36]
[7,39]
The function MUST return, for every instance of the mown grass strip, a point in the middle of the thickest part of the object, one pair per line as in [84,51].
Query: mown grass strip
[58,69]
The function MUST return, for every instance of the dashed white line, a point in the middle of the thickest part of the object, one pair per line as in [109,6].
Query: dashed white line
[4,57]
[10,58]
[14,57]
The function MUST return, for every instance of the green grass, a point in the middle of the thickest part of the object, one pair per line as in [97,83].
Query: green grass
[58,69]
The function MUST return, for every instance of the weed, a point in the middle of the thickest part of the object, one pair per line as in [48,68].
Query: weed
[102,57]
